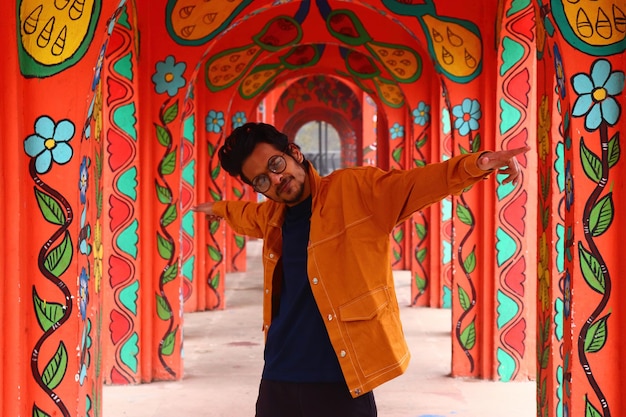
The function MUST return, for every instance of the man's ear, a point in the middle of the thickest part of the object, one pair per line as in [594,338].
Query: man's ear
[295,152]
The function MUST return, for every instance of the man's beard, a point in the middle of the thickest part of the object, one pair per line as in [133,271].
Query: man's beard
[296,198]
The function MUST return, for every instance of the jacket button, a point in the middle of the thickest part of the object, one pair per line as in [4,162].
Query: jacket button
[330,317]
[315,281]
[267,291]
[343,353]
[271,256]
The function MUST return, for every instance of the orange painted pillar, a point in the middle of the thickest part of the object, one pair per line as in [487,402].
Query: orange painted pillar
[50,352]
[588,86]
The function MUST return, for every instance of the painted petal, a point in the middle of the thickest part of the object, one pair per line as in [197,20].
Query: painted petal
[43,162]
[458,123]
[582,105]
[464,129]
[64,131]
[475,106]
[582,84]
[457,111]
[615,84]
[473,124]
[593,118]
[62,153]
[610,110]
[467,105]
[600,72]
[34,145]
[44,127]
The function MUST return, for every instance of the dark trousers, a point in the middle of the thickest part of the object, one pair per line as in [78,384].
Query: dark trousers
[290,399]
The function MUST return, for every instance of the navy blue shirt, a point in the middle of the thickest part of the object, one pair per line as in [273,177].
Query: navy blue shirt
[297,348]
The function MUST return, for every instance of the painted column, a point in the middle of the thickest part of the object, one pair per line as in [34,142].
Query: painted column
[514,262]
[50,349]
[590,75]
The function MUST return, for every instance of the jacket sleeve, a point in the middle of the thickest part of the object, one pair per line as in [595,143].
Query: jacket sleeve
[397,194]
[246,218]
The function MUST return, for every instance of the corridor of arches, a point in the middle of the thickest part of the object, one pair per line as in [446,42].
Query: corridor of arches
[114,111]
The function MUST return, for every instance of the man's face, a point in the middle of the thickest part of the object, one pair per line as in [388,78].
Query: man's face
[290,186]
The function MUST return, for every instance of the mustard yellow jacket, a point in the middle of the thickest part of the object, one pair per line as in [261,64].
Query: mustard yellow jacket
[349,266]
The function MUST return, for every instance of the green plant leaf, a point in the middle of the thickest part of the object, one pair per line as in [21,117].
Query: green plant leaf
[167,348]
[163,136]
[591,270]
[215,254]
[215,195]
[215,224]
[470,262]
[421,255]
[38,412]
[215,172]
[47,313]
[168,164]
[215,281]
[420,283]
[210,148]
[476,143]
[463,150]
[420,229]
[50,208]
[468,336]
[601,215]
[614,150]
[55,370]
[464,299]
[597,335]
[163,193]
[398,235]
[170,273]
[397,154]
[163,310]
[240,241]
[237,192]
[171,113]
[419,162]
[396,255]
[165,247]
[170,215]
[464,215]
[590,410]
[59,258]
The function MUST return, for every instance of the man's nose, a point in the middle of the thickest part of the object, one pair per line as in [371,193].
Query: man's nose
[275,178]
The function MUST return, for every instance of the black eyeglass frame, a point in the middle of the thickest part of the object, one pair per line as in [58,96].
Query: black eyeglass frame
[271,167]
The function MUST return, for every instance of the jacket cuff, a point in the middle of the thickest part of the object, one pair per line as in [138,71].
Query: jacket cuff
[471,166]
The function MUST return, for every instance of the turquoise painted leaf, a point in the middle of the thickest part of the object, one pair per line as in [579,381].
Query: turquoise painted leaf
[129,352]
[127,183]
[505,246]
[128,239]
[509,117]
[128,297]
[507,309]
[506,367]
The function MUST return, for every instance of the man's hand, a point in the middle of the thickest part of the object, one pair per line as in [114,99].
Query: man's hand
[505,162]
[207,209]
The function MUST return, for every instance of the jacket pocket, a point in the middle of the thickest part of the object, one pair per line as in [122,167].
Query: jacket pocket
[366,306]
[373,332]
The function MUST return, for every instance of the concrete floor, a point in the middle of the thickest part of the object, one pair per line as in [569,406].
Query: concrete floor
[223,356]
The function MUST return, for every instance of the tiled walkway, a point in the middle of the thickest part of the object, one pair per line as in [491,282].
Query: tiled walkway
[224,357]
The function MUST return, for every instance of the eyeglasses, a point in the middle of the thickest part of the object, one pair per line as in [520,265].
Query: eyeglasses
[276,164]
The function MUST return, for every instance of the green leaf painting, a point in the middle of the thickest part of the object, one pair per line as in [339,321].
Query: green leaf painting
[47,313]
[55,370]
[50,208]
[59,258]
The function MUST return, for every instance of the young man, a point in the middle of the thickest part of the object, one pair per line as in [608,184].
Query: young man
[330,313]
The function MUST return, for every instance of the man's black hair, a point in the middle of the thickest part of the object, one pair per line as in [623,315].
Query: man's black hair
[242,141]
